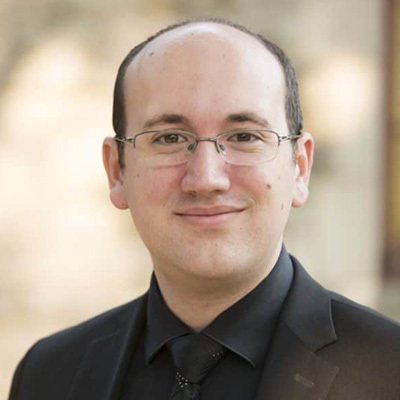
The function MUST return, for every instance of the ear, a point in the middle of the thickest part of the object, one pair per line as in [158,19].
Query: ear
[114,174]
[304,161]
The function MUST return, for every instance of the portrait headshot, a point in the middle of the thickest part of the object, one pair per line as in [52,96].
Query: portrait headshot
[247,286]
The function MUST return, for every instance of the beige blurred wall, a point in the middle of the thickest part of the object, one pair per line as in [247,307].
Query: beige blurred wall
[66,253]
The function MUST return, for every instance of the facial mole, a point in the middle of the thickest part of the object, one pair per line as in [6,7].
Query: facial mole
[150,54]
[137,175]
[269,186]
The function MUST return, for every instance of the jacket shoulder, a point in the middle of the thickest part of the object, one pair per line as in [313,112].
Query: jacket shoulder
[363,343]
[356,321]
[53,361]
[367,350]
[100,325]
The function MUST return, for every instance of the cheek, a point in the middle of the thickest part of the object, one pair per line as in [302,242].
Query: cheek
[259,182]
[151,192]
[154,186]
[270,189]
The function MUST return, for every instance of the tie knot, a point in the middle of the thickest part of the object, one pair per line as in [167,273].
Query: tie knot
[194,355]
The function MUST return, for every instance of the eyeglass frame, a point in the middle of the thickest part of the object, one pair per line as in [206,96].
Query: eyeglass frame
[214,139]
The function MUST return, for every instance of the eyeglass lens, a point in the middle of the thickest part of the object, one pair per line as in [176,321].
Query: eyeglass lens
[238,147]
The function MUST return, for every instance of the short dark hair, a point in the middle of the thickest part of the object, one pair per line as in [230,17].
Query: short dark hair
[292,102]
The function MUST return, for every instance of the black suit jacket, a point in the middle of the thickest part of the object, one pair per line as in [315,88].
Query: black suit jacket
[325,347]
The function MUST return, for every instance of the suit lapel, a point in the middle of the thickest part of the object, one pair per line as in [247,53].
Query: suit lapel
[102,369]
[294,372]
[293,369]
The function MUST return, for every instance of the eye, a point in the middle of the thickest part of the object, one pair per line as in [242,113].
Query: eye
[244,136]
[168,138]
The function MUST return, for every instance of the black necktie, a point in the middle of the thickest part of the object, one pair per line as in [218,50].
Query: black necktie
[194,355]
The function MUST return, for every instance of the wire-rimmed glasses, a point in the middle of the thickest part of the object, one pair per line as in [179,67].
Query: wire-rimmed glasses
[171,147]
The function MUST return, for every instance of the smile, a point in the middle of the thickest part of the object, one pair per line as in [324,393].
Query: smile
[210,216]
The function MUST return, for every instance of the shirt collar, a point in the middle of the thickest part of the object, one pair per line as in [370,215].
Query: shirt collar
[245,328]
[162,324]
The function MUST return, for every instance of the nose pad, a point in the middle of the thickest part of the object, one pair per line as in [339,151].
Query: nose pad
[218,146]
[205,153]
[192,147]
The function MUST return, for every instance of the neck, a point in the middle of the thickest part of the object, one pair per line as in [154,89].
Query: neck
[197,301]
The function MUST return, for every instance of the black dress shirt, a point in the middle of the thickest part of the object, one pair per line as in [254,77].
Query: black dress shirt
[245,330]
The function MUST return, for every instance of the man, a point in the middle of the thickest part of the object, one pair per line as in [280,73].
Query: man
[209,158]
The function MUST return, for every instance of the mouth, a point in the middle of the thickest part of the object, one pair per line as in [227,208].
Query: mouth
[210,216]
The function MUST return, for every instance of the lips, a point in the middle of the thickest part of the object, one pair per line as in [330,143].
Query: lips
[215,217]
[209,211]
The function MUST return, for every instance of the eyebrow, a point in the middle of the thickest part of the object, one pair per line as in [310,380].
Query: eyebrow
[249,117]
[181,119]
[166,119]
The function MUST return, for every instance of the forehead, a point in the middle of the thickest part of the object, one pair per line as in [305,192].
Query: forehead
[203,63]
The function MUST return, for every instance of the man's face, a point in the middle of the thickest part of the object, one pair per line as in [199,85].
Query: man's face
[208,218]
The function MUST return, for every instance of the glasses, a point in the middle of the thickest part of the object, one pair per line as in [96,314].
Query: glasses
[239,147]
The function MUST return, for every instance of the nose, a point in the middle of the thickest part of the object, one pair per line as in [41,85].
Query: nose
[207,172]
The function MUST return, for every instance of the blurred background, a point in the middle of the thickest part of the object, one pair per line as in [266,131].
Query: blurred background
[67,254]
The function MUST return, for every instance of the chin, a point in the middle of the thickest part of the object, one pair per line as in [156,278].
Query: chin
[211,272]
[218,266]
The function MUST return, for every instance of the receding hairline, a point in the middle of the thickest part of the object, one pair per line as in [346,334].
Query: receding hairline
[188,29]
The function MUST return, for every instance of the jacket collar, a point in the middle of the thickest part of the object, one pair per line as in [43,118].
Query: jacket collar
[102,370]
[293,369]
